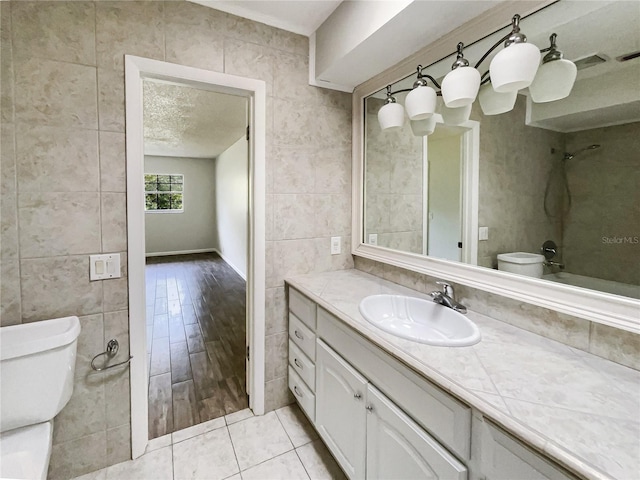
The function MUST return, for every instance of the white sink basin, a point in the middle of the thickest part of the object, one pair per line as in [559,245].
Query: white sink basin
[419,320]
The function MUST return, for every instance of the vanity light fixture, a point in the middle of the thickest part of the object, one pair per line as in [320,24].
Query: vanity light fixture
[423,127]
[391,115]
[512,69]
[555,78]
[421,101]
[455,116]
[495,103]
[460,86]
[515,66]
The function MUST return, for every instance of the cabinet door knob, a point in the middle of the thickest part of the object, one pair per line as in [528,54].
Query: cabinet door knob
[369,408]
[298,335]
[357,396]
[298,392]
[298,364]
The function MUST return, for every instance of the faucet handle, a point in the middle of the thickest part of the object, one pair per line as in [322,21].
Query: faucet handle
[447,289]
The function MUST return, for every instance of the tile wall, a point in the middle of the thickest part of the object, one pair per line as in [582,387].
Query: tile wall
[63,180]
[394,175]
[513,176]
[611,343]
[602,228]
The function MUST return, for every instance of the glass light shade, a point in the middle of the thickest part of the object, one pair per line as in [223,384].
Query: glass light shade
[391,115]
[514,67]
[455,116]
[423,127]
[495,103]
[460,87]
[553,81]
[420,103]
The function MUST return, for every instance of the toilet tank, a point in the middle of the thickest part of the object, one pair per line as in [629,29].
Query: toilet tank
[37,365]
[522,263]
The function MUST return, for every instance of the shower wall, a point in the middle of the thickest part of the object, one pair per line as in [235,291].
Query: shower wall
[515,163]
[602,229]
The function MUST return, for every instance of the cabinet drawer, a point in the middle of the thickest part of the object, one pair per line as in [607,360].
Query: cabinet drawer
[302,365]
[302,336]
[305,397]
[303,308]
[442,415]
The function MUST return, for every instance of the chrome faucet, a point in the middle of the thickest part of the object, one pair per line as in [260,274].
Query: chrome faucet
[550,263]
[446,297]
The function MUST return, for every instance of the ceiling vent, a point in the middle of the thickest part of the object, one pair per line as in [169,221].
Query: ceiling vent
[628,56]
[590,61]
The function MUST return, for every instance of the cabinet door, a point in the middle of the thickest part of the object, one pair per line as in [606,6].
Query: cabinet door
[504,458]
[398,448]
[340,410]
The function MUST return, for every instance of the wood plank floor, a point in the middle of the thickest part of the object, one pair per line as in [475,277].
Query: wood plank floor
[196,330]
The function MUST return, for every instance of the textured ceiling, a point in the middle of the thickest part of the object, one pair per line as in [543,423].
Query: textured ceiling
[181,121]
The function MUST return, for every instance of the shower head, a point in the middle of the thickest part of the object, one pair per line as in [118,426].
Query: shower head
[569,156]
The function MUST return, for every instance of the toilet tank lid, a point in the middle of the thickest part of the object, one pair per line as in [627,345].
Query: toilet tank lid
[521,257]
[30,338]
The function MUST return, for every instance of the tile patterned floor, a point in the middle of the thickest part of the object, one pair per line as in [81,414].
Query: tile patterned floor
[280,445]
[196,307]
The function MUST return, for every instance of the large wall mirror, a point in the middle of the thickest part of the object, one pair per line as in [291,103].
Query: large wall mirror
[490,190]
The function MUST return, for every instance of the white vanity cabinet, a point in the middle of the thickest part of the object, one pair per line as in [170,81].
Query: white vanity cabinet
[397,447]
[340,410]
[302,351]
[382,420]
[367,433]
[503,457]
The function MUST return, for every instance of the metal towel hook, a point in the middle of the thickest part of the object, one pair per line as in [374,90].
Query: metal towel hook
[112,349]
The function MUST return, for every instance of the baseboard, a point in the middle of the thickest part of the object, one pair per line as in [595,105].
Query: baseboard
[244,277]
[181,252]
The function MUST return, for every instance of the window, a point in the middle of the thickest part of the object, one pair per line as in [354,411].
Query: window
[163,193]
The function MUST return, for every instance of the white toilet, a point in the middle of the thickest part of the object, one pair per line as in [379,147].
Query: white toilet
[37,364]
[522,263]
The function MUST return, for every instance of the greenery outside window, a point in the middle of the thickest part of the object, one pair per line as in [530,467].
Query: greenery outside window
[163,193]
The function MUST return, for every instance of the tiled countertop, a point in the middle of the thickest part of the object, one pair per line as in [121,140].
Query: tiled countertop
[580,409]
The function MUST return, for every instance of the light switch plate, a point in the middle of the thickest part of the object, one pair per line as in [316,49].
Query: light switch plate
[483,233]
[373,239]
[104,266]
[335,245]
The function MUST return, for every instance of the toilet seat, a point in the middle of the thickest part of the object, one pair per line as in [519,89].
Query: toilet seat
[25,451]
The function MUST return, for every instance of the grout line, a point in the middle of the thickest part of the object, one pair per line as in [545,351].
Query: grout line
[283,427]
[235,454]
[15,158]
[173,466]
[303,465]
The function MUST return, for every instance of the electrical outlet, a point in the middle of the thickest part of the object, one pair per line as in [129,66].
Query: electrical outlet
[483,233]
[335,245]
[373,239]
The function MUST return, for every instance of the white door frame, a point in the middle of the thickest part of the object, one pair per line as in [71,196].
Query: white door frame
[469,176]
[136,70]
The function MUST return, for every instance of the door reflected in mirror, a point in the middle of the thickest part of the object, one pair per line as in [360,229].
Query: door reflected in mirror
[415,186]
[566,171]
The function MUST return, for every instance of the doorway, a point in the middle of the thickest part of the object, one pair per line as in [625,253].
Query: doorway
[196,222]
[450,194]
[137,70]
